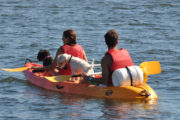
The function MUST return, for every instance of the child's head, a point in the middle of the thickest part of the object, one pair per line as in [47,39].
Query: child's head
[43,54]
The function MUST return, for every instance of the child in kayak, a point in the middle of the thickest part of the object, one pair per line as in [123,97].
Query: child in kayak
[46,59]
[44,56]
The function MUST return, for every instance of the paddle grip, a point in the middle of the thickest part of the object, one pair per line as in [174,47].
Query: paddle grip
[77,75]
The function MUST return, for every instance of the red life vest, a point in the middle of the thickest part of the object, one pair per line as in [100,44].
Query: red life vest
[76,51]
[121,59]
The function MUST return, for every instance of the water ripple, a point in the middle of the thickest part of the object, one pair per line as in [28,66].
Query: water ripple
[148,29]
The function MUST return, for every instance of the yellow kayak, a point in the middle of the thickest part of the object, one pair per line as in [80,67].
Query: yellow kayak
[61,84]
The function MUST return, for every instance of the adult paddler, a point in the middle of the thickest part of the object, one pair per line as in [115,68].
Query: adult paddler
[70,47]
[114,59]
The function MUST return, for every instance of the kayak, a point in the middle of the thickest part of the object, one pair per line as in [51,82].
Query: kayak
[62,84]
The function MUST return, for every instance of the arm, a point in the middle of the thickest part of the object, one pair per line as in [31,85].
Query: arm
[37,67]
[84,56]
[54,64]
[106,63]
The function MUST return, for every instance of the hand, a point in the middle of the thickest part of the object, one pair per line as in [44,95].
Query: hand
[83,74]
[85,78]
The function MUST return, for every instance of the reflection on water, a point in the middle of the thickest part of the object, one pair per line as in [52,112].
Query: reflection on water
[81,106]
[128,109]
[68,106]
[75,106]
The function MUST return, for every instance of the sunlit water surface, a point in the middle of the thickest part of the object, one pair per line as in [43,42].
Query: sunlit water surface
[148,29]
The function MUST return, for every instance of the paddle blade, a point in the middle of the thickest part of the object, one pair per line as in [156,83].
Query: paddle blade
[59,78]
[15,69]
[151,67]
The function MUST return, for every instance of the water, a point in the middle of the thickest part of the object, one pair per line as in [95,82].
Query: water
[148,29]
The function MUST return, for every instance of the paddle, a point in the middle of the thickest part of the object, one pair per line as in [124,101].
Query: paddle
[58,78]
[67,77]
[79,75]
[20,69]
[150,68]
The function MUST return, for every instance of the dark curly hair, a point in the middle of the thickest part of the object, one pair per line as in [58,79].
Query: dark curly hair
[44,55]
[111,38]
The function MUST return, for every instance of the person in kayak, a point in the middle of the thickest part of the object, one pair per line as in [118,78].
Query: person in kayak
[113,64]
[70,47]
[45,57]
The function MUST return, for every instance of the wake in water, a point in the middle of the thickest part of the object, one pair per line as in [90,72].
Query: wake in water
[12,79]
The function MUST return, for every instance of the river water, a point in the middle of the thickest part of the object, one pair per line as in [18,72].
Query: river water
[150,30]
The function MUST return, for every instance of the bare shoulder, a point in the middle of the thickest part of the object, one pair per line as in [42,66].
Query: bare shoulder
[107,59]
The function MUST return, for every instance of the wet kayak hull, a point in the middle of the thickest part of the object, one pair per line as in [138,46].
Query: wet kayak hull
[60,84]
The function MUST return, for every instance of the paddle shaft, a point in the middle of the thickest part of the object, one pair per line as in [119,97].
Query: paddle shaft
[79,75]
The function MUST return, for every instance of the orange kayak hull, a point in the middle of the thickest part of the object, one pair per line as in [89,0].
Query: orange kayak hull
[60,84]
